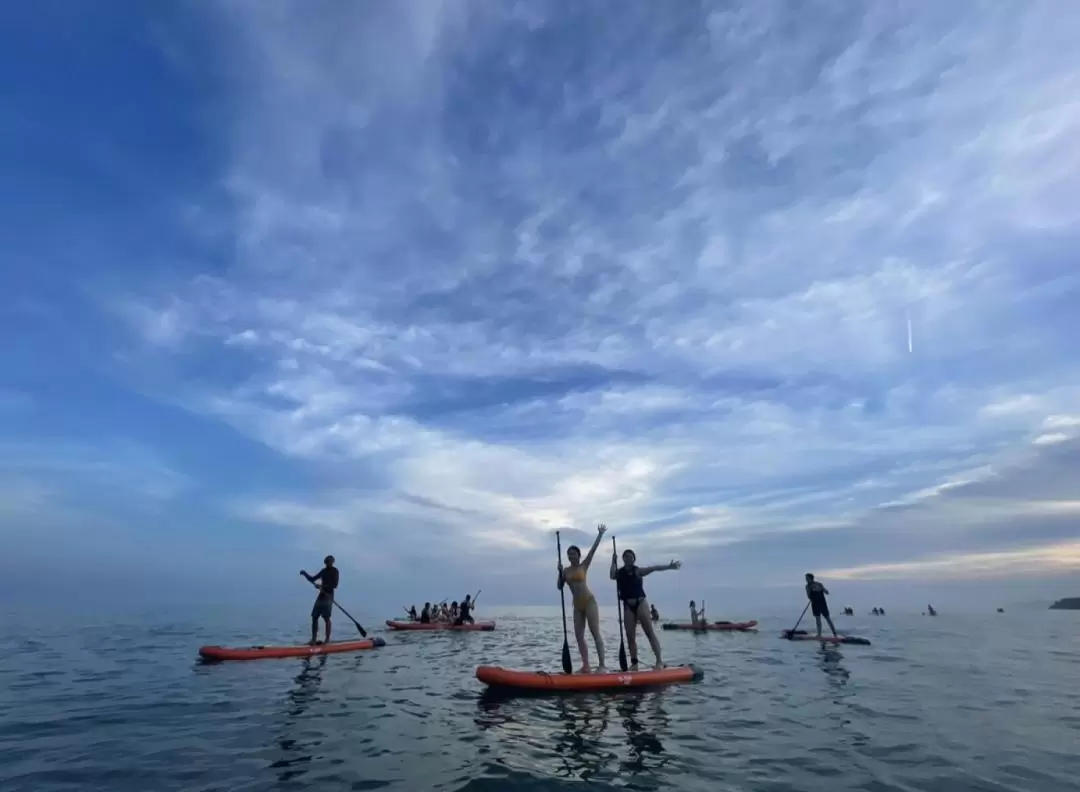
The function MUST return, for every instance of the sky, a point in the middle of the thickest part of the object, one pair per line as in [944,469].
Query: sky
[764,287]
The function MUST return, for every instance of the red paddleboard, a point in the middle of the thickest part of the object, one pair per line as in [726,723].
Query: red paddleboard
[432,626]
[508,679]
[730,626]
[300,650]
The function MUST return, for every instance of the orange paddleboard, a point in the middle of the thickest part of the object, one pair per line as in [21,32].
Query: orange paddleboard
[722,626]
[506,678]
[436,626]
[301,650]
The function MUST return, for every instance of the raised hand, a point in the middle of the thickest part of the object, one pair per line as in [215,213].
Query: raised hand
[675,565]
[601,529]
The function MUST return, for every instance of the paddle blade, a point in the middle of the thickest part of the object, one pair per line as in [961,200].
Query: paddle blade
[566,667]
[622,657]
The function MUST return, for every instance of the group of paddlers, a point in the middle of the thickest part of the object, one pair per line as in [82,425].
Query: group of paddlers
[440,613]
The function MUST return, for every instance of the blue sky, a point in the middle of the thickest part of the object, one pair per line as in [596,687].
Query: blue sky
[419,283]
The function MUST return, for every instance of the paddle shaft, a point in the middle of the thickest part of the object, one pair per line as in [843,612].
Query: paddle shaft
[363,632]
[618,605]
[567,667]
[791,632]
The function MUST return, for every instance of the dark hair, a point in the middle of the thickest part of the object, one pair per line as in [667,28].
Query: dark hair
[809,575]
[571,548]
[453,604]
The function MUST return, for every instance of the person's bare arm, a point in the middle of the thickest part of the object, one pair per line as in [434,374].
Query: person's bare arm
[600,531]
[643,571]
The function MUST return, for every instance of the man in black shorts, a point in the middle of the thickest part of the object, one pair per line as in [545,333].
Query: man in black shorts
[327,580]
[816,592]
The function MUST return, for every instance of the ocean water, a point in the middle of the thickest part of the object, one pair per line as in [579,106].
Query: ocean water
[947,704]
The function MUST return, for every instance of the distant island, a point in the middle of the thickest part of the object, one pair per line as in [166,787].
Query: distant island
[1069,603]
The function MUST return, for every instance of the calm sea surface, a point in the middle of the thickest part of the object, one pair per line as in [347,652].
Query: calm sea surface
[952,703]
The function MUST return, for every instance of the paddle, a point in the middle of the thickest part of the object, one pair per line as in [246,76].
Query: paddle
[791,632]
[472,604]
[566,666]
[363,632]
[618,604]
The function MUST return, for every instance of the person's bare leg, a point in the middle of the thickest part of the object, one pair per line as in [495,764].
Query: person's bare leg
[650,633]
[326,621]
[314,629]
[817,618]
[630,622]
[579,633]
[592,614]
[831,627]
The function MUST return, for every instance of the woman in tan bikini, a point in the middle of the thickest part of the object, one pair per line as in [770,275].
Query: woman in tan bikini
[585,607]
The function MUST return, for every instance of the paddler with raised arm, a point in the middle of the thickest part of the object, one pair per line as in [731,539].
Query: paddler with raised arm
[586,611]
[631,589]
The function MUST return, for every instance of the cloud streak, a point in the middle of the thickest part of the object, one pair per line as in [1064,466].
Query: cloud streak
[493,271]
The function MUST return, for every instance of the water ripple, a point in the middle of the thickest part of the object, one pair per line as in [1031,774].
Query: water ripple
[955,707]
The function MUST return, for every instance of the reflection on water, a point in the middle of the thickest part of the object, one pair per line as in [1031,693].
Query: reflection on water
[831,659]
[643,717]
[586,732]
[305,689]
[579,743]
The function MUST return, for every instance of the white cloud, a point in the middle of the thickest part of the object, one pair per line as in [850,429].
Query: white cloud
[429,268]
[1050,558]
[1052,438]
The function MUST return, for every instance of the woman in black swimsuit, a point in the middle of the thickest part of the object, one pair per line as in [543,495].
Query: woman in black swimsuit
[635,607]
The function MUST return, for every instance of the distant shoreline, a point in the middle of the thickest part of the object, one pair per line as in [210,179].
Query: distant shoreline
[1068,603]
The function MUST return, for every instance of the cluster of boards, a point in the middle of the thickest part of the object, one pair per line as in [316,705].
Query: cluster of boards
[508,679]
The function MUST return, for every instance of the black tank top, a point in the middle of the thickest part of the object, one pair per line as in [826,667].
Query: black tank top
[629,584]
